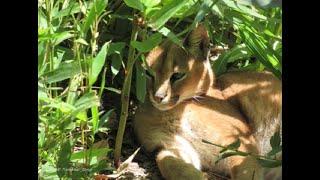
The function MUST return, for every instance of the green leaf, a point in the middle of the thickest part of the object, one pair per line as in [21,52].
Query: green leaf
[42,21]
[42,94]
[68,53]
[244,9]
[274,151]
[98,63]
[237,52]
[203,10]
[61,37]
[74,84]
[57,58]
[136,4]
[105,118]
[86,101]
[275,140]
[72,8]
[95,119]
[255,66]
[140,83]
[166,32]
[81,41]
[256,45]
[95,11]
[151,10]
[92,152]
[145,65]
[57,38]
[66,70]
[48,171]
[189,7]
[116,48]
[41,48]
[62,106]
[235,145]
[41,138]
[148,44]
[228,154]
[64,158]
[270,34]
[159,18]
[150,3]
[103,82]
[263,3]
[116,62]
[101,165]
[269,163]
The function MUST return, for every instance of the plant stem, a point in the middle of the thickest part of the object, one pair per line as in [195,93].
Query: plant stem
[241,153]
[125,95]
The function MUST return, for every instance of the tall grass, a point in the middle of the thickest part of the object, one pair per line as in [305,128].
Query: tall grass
[80,43]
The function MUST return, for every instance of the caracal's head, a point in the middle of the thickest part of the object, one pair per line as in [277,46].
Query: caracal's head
[179,74]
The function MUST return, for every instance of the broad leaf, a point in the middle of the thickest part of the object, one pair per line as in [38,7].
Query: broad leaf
[274,151]
[150,3]
[148,44]
[136,4]
[98,63]
[116,48]
[86,101]
[66,70]
[275,140]
[116,62]
[188,8]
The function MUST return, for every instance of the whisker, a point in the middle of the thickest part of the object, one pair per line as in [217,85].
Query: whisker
[195,98]
[200,96]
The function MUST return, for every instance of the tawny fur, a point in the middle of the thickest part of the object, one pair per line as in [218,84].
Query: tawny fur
[239,105]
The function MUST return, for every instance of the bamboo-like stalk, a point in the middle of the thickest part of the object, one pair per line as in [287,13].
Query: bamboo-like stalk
[125,95]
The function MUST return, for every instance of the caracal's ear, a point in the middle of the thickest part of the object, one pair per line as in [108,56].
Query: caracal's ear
[197,42]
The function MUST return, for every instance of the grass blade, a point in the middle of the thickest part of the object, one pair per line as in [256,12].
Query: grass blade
[96,9]
[159,18]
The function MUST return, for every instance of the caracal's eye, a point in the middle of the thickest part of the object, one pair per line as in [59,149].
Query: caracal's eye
[177,76]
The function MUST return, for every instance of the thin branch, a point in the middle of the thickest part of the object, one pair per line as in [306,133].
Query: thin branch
[125,95]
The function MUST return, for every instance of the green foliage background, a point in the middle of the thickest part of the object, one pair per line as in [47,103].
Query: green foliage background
[83,52]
